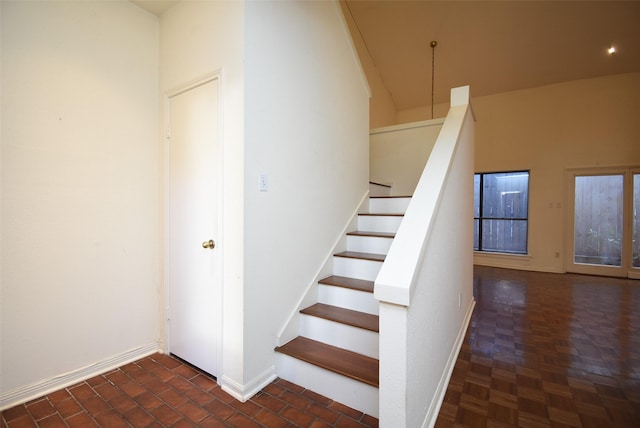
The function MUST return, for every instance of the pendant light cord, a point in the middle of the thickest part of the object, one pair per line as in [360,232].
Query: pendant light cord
[433,68]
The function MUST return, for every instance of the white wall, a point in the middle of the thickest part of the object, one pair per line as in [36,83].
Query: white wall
[582,123]
[382,109]
[295,107]
[198,38]
[399,153]
[80,265]
[306,128]
[82,163]
[422,113]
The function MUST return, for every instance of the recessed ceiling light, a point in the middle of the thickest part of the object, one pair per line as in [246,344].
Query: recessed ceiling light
[611,50]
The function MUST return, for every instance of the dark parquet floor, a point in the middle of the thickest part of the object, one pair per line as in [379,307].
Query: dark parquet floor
[542,350]
[548,350]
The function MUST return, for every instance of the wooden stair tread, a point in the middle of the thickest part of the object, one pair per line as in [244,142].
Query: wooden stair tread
[344,316]
[351,283]
[380,184]
[372,234]
[363,256]
[356,366]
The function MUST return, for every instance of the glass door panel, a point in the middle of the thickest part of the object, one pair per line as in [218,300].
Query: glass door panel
[635,251]
[603,220]
[598,220]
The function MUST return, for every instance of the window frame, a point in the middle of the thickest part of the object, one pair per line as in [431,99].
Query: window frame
[480,217]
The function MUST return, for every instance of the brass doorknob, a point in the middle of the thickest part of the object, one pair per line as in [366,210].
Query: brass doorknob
[209,244]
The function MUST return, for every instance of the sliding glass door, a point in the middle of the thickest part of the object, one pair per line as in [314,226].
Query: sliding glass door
[604,223]
[635,244]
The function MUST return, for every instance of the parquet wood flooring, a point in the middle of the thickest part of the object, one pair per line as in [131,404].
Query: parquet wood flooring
[542,350]
[548,350]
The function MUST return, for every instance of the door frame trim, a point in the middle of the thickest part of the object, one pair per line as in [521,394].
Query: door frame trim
[634,273]
[219,266]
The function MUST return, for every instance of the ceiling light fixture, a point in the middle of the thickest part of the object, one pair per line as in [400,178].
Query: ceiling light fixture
[611,50]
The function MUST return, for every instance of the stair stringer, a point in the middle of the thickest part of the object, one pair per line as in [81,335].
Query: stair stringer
[309,296]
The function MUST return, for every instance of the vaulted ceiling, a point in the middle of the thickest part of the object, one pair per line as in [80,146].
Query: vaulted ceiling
[494,46]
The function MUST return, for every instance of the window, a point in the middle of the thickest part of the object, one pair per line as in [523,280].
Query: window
[501,211]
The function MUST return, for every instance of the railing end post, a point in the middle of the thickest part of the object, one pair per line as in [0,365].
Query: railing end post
[460,96]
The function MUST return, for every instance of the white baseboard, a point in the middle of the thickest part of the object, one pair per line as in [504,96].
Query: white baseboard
[507,263]
[29,392]
[244,392]
[438,398]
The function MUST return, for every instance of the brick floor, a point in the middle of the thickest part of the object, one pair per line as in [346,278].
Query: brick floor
[162,391]
[542,350]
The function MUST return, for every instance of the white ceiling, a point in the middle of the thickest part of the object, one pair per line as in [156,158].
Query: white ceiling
[494,46]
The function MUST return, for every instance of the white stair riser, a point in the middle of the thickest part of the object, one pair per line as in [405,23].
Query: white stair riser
[347,391]
[379,190]
[388,205]
[356,268]
[348,299]
[343,336]
[368,244]
[374,223]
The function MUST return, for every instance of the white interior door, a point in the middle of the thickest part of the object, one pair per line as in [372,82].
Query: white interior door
[193,260]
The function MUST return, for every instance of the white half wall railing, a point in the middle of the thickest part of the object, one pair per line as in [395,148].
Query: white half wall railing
[425,286]
[399,153]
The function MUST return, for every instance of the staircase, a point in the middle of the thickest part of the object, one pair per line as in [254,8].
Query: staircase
[336,353]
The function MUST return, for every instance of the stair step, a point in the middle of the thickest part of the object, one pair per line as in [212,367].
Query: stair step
[352,283]
[369,241]
[388,223]
[361,256]
[389,197]
[345,336]
[372,234]
[337,360]
[389,204]
[343,316]
[381,214]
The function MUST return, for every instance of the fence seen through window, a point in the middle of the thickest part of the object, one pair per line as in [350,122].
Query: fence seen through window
[598,219]
[501,212]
